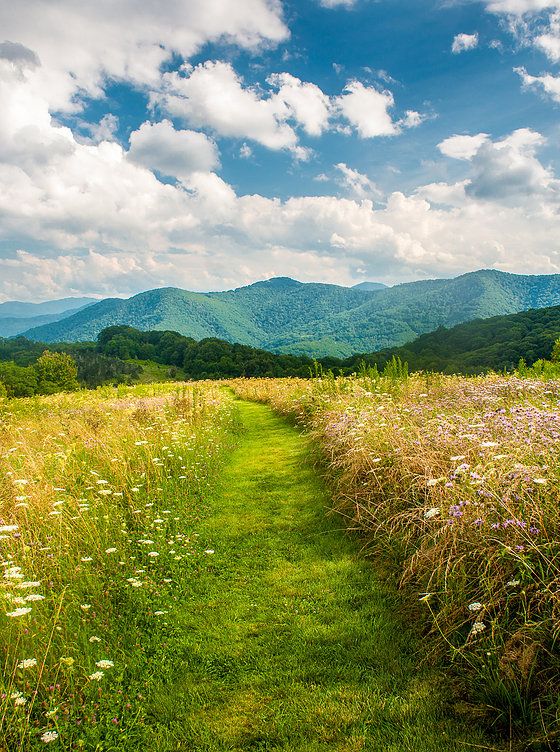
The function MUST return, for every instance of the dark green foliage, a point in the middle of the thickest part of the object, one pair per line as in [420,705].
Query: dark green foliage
[18,381]
[210,358]
[494,344]
[317,320]
[19,358]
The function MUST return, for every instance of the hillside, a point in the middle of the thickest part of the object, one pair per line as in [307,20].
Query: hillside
[283,315]
[495,344]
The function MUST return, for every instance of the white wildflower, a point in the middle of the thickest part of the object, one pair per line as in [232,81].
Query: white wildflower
[104,664]
[18,612]
[433,512]
[476,606]
[27,663]
[49,736]
[96,676]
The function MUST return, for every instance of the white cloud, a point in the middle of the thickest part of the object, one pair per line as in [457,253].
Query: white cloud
[158,146]
[306,103]
[462,147]
[520,7]
[357,183]
[464,42]
[80,45]
[509,171]
[368,110]
[550,84]
[337,3]
[212,95]
[106,225]
[549,42]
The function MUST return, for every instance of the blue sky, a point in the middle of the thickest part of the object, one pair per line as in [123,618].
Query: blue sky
[224,141]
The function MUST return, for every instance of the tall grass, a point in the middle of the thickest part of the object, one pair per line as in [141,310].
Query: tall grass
[458,482]
[99,498]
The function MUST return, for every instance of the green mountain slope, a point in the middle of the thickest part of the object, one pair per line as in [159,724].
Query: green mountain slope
[495,343]
[315,319]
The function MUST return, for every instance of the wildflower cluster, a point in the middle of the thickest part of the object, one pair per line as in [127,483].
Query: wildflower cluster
[460,478]
[99,497]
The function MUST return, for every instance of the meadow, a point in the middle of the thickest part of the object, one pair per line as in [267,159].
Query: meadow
[100,494]
[173,577]
[453,483]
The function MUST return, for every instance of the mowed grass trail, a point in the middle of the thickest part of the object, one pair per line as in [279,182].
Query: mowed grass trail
[290,641]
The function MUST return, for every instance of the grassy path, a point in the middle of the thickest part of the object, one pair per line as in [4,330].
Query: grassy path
[290,643]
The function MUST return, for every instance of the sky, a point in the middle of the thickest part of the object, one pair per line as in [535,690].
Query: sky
[207,144]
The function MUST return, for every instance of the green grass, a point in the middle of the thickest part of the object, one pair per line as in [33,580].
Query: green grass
[153,372]
[288,640]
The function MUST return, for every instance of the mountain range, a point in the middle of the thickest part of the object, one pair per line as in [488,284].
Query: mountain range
[284,315]
[17,317]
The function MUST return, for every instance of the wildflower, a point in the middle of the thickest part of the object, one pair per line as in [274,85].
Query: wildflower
[209,551]
[85,606]
[18,612]
[86,558]
[457,458]
[51,713]
[49,736]
[93,638]
[27,663]
[433,512]
[96,676]
[8,528]
[34,597]
[29,584]
[477,627]
[67,661]
[489,444]
[104,664]
[110,550]
[513,583]
[476,606]
[540,481]
[153,554]
[20,701]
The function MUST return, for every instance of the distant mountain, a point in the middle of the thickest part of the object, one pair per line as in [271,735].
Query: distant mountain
[19,309]
[315,319]
[369,286]
[16,316]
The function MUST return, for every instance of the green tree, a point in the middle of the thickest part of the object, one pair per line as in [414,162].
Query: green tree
[56,372]
[555,357]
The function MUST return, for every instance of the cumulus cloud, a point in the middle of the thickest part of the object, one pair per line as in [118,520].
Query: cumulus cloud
[463,43]
[462,147]
[368,110]
[213,95]
[175,153]
[80,45]
[19,55]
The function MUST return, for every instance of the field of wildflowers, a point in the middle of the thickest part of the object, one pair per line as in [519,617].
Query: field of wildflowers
[457,481]
[99,499]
